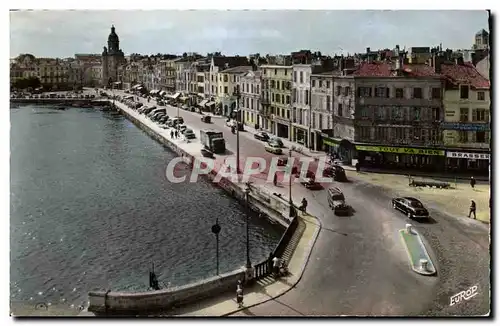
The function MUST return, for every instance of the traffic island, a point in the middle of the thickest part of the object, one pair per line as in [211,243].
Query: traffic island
[420,260]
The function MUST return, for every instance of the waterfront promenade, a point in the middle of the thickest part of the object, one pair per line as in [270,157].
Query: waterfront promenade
[360,262]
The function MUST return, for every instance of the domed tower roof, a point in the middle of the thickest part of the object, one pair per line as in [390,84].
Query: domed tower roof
[482,32]
[112,36]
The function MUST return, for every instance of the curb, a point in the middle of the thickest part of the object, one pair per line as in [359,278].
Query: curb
[312,242]
[424,258]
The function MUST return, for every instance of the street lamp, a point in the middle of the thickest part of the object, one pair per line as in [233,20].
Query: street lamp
[247,192]
[290,202]
[237,94]
[216,230]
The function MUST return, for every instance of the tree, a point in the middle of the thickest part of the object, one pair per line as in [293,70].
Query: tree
[30,82]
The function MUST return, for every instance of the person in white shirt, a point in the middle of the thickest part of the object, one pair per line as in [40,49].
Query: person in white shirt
[276,265]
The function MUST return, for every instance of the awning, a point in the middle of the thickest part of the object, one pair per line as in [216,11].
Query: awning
[136,86]
[210,104]
[176,95]
[203,103]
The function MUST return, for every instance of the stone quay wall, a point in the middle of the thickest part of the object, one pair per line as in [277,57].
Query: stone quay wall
[274,209]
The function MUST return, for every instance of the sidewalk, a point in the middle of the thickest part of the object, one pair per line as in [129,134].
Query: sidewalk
[265,289]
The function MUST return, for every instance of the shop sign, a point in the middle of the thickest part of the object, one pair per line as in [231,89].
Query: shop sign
[330,142]
[470,156]
[465,126]
[401,150]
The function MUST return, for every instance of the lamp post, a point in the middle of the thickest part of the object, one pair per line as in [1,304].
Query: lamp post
[290,201]
[216,230]
[247,192]
[237,94]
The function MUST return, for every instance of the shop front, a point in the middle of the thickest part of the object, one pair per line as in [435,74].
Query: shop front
[476,162]
[299,135]
[413,158]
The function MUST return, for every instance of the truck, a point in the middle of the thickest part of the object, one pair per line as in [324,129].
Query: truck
[213,140]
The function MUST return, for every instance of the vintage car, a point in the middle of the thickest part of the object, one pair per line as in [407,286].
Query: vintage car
[282,161]
[261,136]
[336,172]
[311,184]
[410,206]
[206,153]
[336,201]
[206,119]
[273,148]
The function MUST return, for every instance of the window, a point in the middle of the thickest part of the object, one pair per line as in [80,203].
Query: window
[288,114]
[275,71]
[294,76]
[225,90]
[251,88]
[417,112]
[464,114]
[347,91]
[417,92]
[272,84]
[480,96]
[365,132]
[265,71]
[288,99]
[365,91]
[286,72]
[433,135]
[338,90]
[328,84]
[320,83]
[339,110]
[282,98]
[436,93]
[301,74]
[435,114]
[464,92]
[257,89]
[328,99]
[480,115]
[364,112]
[381,92]
[399,134]
[225,79]
[463,136]
[320,122]
[313,83]
[247,102]
[294,95]
[307,97]
[272,97]
[251,104]
[480,137]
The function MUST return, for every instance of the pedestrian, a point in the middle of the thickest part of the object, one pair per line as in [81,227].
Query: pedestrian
[275,179]
[472,182]
[171,134]
[176,134]
[472,209]
[304,205]
[357,167]
[276,266]
[239,294]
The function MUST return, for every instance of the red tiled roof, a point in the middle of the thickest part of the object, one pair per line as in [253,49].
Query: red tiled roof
[382,69]
[464,74]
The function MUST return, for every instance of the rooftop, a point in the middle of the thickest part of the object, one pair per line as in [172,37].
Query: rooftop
[464,74]
[382,69]
[237,70]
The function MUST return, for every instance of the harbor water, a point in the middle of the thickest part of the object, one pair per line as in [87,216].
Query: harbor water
[91,208]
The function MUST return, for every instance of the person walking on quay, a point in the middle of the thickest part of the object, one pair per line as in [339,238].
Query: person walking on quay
[276,266]
[472,182]
[275,179]
[472,209]
[357,167]
[176,134]
[239,294]
[171,134]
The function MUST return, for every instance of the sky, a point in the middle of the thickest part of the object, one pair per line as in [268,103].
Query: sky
[57,33]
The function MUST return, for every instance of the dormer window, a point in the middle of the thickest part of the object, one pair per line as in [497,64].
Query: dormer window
[464,91]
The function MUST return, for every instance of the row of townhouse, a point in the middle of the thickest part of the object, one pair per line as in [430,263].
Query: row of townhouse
[432,116]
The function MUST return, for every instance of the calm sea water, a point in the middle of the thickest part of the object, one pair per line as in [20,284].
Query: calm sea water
[91,209]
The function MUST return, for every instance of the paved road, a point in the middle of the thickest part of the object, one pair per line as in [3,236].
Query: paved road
[358,265]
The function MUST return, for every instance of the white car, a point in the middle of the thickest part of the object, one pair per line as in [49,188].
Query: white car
[273,148]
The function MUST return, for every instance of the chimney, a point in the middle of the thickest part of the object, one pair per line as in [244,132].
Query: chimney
[437,60]
[367,50]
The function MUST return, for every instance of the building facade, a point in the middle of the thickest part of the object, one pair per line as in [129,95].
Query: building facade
[250,88]
[395,119]
[321,108]
[466,127]
[300,101]
[228,83]
[276,100]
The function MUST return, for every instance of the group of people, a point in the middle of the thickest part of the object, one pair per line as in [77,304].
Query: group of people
[174,134]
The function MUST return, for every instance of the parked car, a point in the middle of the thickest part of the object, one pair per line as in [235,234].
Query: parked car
[311,184]
[206,119]
[335,171]
[412,207]
[262,136]
[273,148]
[182,128]
[189,134]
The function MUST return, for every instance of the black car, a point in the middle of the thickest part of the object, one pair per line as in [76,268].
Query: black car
[261,136]
[412,207]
